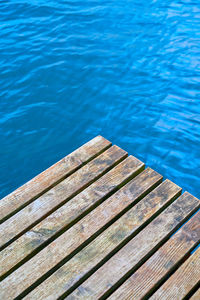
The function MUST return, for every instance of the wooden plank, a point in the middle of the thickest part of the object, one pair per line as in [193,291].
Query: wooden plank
[58,195]
[107,243]
[145,280]
[182,281]
[69,213]
[66,245]
[44,181]
[196,295]
[132,255]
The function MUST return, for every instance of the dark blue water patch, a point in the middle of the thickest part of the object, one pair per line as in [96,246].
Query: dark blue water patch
[70,70]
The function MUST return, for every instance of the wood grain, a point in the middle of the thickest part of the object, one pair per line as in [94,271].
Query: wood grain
[87,228]
[182,281]
[44,181]
[132,255]
[149,275]
[58,195]
[107,243]
[68,213]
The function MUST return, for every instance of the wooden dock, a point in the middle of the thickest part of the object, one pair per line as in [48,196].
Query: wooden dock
[99,225]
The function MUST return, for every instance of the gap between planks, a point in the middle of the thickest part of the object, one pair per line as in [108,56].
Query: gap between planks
[66,245]
[151,275]
[183,281]
[62,219]
[36,211]
[119,267]
[90,258]
[34,188]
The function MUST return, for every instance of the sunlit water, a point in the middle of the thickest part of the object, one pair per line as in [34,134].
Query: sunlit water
[129,70]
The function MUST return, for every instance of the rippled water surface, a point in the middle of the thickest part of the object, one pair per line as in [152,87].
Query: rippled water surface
[129,70]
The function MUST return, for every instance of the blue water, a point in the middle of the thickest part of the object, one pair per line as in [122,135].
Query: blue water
[129,70]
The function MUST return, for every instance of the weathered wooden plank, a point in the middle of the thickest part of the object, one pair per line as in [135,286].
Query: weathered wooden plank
[107,243]
[44,181]
[69,212]
[58,195]
[182,281]
[86,229]
[129,258]
[196,295]
[156,269]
